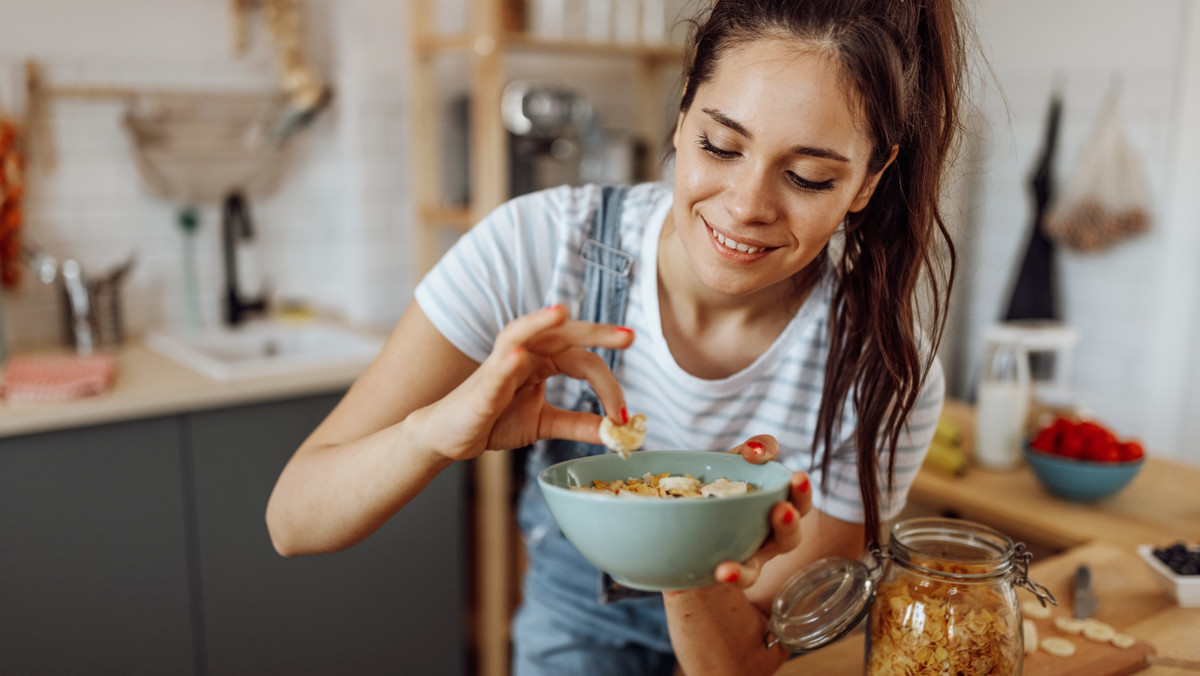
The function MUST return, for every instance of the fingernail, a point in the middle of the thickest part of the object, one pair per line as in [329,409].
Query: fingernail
[804,486]
[554,307]
[789,516]
[624,416]
[756,447]
[624,329]
[731,576]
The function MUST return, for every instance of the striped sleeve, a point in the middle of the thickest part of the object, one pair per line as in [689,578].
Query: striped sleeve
[842,500]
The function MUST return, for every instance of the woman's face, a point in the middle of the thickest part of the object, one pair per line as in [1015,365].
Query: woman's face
[769,159]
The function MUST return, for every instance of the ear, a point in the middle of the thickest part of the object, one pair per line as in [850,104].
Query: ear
[868,187]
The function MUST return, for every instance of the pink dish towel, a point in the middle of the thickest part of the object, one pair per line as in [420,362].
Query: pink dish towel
[43,379]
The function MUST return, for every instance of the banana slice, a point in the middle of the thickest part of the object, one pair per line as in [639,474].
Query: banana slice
[724,488]
[624,439]
[1058,646]
[1068,625]
[1098,631]
[1029,629]
[1123,641]
[1035,609]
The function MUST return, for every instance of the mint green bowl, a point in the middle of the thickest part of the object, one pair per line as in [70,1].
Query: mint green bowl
[658,544]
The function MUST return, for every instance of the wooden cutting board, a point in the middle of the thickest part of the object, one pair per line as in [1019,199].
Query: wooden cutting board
[1091,658]
[1127,593]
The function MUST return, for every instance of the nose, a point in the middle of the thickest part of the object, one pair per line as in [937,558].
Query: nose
[751,198]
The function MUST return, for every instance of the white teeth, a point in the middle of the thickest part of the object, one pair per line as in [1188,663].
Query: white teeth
[731,244]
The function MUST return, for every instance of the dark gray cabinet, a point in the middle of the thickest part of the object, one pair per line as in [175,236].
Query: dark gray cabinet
[141,548]
[391,604]
[93,554]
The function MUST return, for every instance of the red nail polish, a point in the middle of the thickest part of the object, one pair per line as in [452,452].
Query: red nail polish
[732,577]
[804,486]
[554,307]
[624,329]
[624,416]
[789,516]
[756,447]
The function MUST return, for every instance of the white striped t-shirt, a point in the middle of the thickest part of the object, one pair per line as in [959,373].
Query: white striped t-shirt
[524,256]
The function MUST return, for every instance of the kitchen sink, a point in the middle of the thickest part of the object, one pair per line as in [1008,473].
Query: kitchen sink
[265,348]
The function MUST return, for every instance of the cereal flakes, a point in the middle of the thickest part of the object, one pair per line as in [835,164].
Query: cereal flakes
[924,626]
[667,485]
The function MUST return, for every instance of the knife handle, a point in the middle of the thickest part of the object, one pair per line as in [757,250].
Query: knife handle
[1175,662]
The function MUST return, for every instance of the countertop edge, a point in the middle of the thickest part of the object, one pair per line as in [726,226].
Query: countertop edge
[149,385]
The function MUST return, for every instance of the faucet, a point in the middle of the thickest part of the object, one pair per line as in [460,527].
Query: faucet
[81,306]
[79,297]
[235,225]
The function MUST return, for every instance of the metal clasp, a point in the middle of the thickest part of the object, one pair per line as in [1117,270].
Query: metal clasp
[879,558]
[1022,557]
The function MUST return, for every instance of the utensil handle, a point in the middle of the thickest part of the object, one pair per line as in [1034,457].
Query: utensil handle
[1174,662]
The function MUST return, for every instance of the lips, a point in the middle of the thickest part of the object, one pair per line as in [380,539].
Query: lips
[732,247]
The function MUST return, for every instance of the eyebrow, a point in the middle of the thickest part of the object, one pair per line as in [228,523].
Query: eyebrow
[725,120]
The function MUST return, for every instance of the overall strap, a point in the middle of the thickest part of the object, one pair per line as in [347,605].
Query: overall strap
[606,278]
[605,295]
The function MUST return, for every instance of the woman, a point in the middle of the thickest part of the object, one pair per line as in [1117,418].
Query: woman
[799,121]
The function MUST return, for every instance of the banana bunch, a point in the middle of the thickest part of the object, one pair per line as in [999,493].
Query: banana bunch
[946,453]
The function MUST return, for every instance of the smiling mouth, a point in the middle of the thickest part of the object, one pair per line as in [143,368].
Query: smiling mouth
[734,245]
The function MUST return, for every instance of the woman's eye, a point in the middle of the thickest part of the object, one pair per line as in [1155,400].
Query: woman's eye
[805,184]
[799,181]
[713,150]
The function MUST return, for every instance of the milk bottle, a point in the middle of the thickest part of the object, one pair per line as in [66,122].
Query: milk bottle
[1002,403]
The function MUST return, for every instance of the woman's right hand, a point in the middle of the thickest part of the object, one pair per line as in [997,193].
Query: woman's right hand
[502,404]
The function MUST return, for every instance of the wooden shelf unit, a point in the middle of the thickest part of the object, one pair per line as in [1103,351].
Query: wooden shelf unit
[487,45]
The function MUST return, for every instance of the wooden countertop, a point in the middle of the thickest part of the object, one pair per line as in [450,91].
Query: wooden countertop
[1160,506]
[148,384]
[1130,599]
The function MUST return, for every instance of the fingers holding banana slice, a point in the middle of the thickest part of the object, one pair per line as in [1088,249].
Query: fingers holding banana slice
[626,438]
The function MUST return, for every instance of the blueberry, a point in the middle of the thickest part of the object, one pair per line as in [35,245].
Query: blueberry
[1179,558]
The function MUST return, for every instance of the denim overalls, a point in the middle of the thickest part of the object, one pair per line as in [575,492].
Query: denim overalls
[574,620]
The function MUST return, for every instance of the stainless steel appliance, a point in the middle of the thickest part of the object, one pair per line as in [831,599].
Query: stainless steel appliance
[556,137]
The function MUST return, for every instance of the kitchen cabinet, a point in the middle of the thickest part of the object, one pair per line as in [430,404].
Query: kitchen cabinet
[491,39]
[391,604]
[141,548]
[94,570]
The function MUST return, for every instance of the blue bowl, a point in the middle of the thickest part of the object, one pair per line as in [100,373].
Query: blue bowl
[1081,480]
[657,544]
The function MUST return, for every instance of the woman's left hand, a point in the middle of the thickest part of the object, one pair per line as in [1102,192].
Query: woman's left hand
[785,517]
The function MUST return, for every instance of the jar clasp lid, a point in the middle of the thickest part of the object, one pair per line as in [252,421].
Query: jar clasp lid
[1022,557]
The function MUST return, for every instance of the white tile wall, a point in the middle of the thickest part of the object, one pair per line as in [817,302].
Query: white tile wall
[332,235]
[1115,298]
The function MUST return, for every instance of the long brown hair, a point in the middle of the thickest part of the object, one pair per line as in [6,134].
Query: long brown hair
[905,61]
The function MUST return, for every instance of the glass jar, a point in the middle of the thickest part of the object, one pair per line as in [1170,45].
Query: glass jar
[947,603]
[941,600]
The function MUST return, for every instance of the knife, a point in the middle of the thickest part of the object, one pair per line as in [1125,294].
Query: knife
[1085,599]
